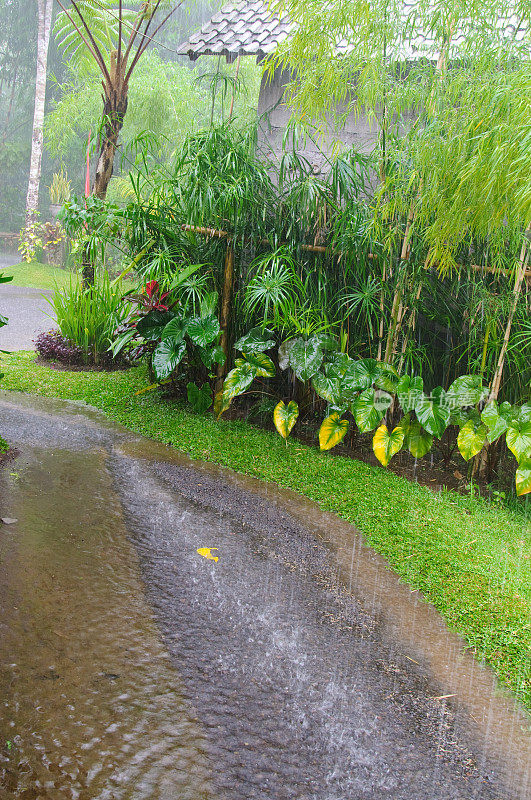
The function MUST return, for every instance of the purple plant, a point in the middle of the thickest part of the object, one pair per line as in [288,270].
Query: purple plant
[52,346]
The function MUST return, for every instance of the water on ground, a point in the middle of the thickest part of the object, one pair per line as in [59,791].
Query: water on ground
[294,666]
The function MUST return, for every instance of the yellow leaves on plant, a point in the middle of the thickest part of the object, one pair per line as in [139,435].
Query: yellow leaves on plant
[386,445]
[206,552]
[221,404]
[332,431]
[285,417]
[523,478]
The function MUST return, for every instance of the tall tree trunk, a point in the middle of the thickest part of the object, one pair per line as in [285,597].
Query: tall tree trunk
[44,8]
[114,108]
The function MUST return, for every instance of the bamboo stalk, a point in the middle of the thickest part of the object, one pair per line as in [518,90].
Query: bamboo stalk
[226,309]
[496,381]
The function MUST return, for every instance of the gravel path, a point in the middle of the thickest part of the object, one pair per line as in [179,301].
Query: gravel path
[293,679]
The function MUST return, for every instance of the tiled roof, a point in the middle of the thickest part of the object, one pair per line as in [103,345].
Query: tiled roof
[250,28]
[245,28]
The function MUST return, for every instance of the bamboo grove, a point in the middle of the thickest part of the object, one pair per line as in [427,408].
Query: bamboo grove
[393,286]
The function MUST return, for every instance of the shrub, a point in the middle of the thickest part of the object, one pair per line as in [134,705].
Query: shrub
[53,346]
[88,316]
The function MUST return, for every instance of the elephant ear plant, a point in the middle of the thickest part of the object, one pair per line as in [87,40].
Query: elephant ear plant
[373,393]
[177,343]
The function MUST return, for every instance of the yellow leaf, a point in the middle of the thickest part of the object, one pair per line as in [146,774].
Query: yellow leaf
[221,404]
[285,417]
[206,552]
[386,445]
[332,431]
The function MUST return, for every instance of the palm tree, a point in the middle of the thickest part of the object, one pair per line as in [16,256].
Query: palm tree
[44,9]
[113,38]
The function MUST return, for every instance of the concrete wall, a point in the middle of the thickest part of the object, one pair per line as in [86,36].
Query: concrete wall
[274,116]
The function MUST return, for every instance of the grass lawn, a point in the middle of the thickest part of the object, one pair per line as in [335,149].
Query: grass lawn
[40,276]
[471,559]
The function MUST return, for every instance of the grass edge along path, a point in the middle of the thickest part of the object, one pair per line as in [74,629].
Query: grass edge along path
[35,275]
[469,558]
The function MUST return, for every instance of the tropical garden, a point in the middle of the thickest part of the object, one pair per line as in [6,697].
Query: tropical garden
[379,306]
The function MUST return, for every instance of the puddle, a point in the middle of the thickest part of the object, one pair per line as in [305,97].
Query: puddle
[295,666]
[91,706]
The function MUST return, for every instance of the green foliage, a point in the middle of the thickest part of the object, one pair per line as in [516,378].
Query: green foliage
[199,398]
[89,316]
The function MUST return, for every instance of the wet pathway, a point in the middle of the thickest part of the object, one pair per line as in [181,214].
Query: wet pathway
[295,666]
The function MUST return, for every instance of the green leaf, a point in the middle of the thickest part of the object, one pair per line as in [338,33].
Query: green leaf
[166,357]
[283,353]
[212,355]
[409,391]
[385,445]
[285,417]
[523,478]
[369,409]
[362,374]
[256,341]
[175,329]
[467,390]
[518,439]
[199,399]
[471,439]
[332,431]
[433,411]
[221,404]
[203,330]
[238,380]
[327,388]
[151,325]
[496,419]
[418,441]
[305,358]
[260,361]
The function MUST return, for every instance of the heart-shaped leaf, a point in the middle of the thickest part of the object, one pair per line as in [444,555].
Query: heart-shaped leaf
[151,325]
[175,329]
[166,357]
[523,478]
[409,391]
[285,417]
[305,358]
[496,419]
[212,355]
[203,330]
[467,390]
[327,388]
[332,431]
[238,380]
[433,411]
[258,340]
[363,374]
[199,399]
[385,445]
[518,439]
[260,361]
[369,408]
[471,439]
[418,441]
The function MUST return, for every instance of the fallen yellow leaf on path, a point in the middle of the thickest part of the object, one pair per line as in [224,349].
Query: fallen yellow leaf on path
[206,552]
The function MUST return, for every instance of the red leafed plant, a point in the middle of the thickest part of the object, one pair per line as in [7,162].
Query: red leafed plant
[151,298]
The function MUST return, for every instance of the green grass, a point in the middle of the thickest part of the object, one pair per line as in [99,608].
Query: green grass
[470,559]
[40,276]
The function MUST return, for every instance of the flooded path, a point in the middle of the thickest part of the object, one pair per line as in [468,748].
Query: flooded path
[295,666]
